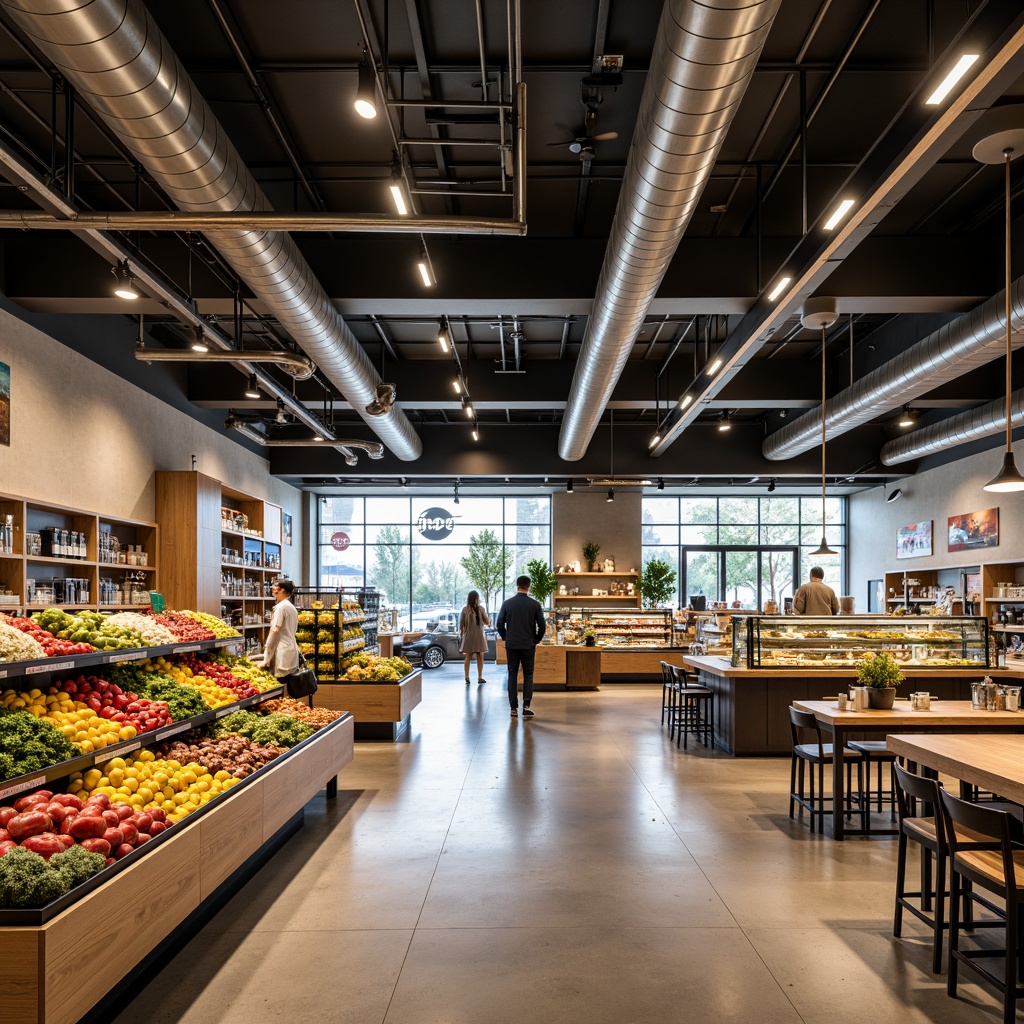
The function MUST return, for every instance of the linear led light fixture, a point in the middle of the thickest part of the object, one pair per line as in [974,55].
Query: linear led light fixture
[779,288]
[469,410]
[946,86]
[252,389]
[426,271]
[476,434]
[654,440]
[685,401]
[457,386]
[838,214]
[715,366]
[443,337]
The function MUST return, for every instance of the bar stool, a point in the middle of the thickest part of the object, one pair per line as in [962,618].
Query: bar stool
[668,686]
[996,865]
[819,754]
[694,709]
[875,752]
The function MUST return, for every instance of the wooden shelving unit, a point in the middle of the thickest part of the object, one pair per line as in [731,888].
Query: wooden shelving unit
[36,581]
[622,600]
[212,563]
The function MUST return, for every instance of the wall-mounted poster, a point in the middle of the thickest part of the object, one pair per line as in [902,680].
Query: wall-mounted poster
[287,528]
[914,540]
[5,404]
[974,530]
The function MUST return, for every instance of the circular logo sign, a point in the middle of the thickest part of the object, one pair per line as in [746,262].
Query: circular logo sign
[340,541]
[435,523]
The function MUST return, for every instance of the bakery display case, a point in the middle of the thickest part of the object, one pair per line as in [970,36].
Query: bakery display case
[840,642]
[619,628]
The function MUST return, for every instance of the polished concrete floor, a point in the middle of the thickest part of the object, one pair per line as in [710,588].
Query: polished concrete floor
[576,867]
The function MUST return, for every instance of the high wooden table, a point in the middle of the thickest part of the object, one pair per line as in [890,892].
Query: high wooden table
[995,763]
[946,716]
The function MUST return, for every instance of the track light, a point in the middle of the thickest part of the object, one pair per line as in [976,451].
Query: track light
[397,188]
[282,415]
[443,338]
[456,492]
[469,410]
[894,495]
[199,342]
[661,484]
[457,386]
[252,389]
[715,366]
[568,487]
[124,281]
[366,92]
[318,436]
[611,494]
[771,485]
[724,423]
[423,266]
[907,417]
[476,434]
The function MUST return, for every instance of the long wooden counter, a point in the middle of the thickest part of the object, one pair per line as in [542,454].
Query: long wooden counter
[621,665]
[752,705]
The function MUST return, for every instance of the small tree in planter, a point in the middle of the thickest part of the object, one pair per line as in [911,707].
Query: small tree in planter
[591,549]
[881,674]
[657,583]
[542,579]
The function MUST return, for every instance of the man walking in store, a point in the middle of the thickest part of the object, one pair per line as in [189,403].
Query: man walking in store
[521,625]
[816,597]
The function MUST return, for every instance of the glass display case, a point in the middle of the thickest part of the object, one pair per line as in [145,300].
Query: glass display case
[806,641]
[617,629]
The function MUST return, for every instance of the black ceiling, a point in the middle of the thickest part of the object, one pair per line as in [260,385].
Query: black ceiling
[281,78]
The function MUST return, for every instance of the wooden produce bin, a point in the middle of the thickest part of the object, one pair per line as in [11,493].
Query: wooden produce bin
[381,710]
[48,976]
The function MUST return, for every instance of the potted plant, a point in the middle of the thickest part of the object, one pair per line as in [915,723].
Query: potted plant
[590,552]
[881,675]
[657,583]
[589,637]
[543,582]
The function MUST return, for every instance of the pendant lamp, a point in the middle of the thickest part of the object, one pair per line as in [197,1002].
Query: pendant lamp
[821,312]
[1002,148]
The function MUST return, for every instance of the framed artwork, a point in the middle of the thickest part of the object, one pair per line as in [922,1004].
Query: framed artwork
[5,405]
[915,540]
[287,519]
[974,530]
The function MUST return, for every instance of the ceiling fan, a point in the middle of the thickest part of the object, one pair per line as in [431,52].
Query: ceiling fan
[583,143]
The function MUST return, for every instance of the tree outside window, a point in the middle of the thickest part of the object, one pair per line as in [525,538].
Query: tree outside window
[487,564]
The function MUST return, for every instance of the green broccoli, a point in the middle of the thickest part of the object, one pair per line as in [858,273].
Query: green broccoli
[26,880]
[77,864]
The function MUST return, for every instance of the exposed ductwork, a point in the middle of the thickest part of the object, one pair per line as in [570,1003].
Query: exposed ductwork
[985,421]
[970,341]
[701,64]
[119,61]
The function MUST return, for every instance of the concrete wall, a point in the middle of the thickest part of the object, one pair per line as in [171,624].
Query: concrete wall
[587,515]
[84,437]
[936,495]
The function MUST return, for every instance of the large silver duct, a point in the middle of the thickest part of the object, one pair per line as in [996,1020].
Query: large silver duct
[119,61]
[701,64]
[970,341]
[985,421]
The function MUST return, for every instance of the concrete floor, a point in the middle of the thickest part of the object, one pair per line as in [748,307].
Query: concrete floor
[576,867]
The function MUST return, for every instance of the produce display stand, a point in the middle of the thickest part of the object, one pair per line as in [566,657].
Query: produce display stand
[381,710]
[131,907]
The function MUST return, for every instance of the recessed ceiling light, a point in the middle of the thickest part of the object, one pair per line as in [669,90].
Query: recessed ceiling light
[779,288]
[838,214]
[946,86]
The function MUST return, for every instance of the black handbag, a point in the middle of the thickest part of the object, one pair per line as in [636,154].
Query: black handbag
[302,682]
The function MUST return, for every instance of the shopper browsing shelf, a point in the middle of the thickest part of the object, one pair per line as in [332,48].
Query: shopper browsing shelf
[471,633]
[281,653]
[816,597]
[521,625]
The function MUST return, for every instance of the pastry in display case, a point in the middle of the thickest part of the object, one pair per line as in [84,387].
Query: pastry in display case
[924,641]
[618,629]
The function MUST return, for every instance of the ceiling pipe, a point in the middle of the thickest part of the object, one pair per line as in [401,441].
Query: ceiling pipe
[702,61]
[300,220]
[299,366]
[972,340]
[374,449]
[116,57]
[985,421]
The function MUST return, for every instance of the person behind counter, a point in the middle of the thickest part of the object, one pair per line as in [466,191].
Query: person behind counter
[816,597]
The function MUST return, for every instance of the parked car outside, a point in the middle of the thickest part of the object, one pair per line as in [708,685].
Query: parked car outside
[433,649]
